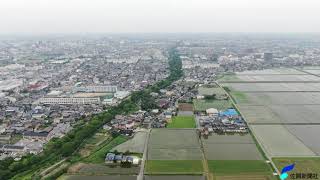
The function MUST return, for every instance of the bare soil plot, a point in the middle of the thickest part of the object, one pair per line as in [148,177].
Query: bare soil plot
[173,144]
[277,141]
[135,144]
[94,169]
[185,107]
[231,147]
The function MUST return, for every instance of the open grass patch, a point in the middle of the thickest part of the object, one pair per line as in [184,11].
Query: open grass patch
[174,167]
[238,167]
[182,122]
[203,105]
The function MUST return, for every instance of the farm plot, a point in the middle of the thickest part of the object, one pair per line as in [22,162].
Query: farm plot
[174,177]
[182,122]
[275,71]
[278,78]
[258,114]
[308,134]
[203,105]
[313,71]
[229,78]
[297,113]
[231,147]
[236,167]
[99,155]
[278,142]
[174,167]
[279,98]
[136,144]
[172,144]
[94,169]
[208,91]
[302,165]
[276,87]
[108,177]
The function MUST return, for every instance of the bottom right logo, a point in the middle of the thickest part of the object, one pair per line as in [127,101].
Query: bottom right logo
[284,175]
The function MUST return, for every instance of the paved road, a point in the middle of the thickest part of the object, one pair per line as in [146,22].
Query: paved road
[144,157]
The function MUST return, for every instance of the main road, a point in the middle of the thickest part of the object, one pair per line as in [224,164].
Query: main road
[144,157]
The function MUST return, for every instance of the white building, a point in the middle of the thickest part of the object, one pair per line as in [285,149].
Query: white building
[110,89]
[69,100]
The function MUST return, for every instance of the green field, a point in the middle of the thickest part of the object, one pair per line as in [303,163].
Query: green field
[174,167]
[182,122]
[203,105]
[99,155]
[208,91]
[238,167]
[302,165]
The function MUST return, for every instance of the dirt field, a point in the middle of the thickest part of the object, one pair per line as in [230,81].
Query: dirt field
[185,107]
[94,169]
[136,144]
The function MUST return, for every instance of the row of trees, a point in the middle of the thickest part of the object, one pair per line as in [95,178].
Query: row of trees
[65,147]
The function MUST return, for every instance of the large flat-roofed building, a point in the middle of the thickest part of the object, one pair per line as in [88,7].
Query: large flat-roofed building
[110,89]
[69,100]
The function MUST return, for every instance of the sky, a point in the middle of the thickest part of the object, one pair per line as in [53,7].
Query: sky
[152,16]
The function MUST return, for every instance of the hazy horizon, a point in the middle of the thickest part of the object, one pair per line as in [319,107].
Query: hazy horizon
[158,16]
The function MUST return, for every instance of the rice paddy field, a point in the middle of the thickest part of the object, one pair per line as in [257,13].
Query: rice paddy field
[275,71]
[277,78]
[182,122]
[173,144]
[231,147]
[236,167]
[273,87]
[284,116]
[173,151]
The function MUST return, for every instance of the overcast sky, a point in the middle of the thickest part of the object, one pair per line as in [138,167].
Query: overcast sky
[81,16]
